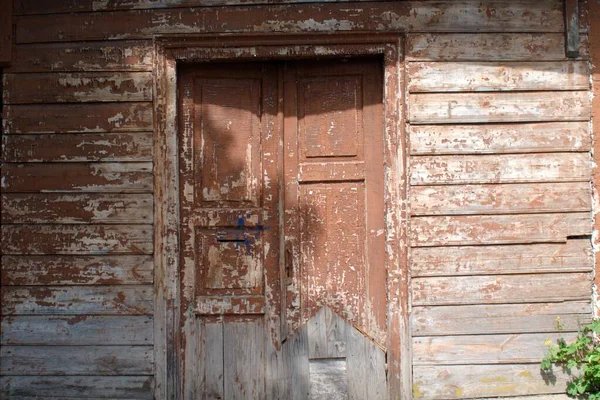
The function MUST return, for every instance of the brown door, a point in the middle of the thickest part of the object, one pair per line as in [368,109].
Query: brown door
[282,230]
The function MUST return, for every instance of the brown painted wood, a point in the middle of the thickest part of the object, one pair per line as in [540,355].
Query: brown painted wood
[6,32]
[69,147]
[74,239]
[89,208]
[501,289]
[80,177]
[77,270]
[72,118]
[77,300]
[77,87]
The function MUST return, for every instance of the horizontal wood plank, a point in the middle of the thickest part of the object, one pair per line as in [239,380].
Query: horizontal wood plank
[77,239]
[88,208]
[77,87]
[74,118]
[77,270]
[497,289]
[503,168]
[501,198]
[75,147]
[77,330]
[466,381]
[499,138]
[426,77]
[572,256]
[483,319]
[489,47]
[497,229]
[77,360]
[451,108]
[73,387]
[77,177]
[76,300]
[85,57]
[440,16]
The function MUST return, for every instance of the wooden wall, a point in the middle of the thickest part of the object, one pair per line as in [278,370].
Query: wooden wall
[500,196]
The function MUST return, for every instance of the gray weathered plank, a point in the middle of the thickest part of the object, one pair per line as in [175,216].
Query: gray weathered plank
[426,77]
[573,256]
[567,316]
[77,330]
[503,168]
[451,108]
[77,270]
[366,368]
[495,289]
[76,300]
[76,239]
[77,87]
[327,335]
[499,138]
[76,360]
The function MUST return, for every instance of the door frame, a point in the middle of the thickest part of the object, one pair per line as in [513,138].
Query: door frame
[173,51]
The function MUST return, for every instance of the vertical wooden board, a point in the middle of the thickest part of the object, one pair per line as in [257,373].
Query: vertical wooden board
[6,33]
[47,387]
[432,108]
[74,300]
[501,199]
[77,177]
[204,363]
[572,27]
[72,118]
[77,330]
[76,360]
[69,147]
[77,270]
[77,87]
[244,360]
[297,366]
[504,168]
[327,335]
[497,289]
[214,360]
[573,256]
[494,138]
[76,239]
[500,318]
[356,368]
[51,208]
[426,77]
[85,57]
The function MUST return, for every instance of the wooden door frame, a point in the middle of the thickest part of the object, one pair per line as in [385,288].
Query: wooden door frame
[172,51]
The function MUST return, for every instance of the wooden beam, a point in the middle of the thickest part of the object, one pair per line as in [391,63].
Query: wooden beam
[572,28]
[594,23]
[6,30]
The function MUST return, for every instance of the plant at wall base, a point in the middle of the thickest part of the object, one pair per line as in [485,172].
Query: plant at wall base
[582,355]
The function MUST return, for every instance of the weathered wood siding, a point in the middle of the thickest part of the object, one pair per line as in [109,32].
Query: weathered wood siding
[500,197]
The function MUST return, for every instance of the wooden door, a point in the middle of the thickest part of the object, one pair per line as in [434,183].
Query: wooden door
[280,156]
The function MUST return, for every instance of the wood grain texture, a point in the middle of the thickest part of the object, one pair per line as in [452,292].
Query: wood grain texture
[466,381]
[486,319]
[89,208]
[77,87]
[73,118]
[77,330]
[572,256]
[485,349]
[499,289]
[77,300]
[444,16]
[77,177]
[497,229]
[76,360]
[71,147]
[327,335]
[501,198]
[489,47]
[499,138]
[72,387]
[426,77]
[83,57]
[450,108]
[504,168]
[76,239]
[77,270]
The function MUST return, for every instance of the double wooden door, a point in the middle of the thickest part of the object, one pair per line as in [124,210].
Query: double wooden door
[282,229]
